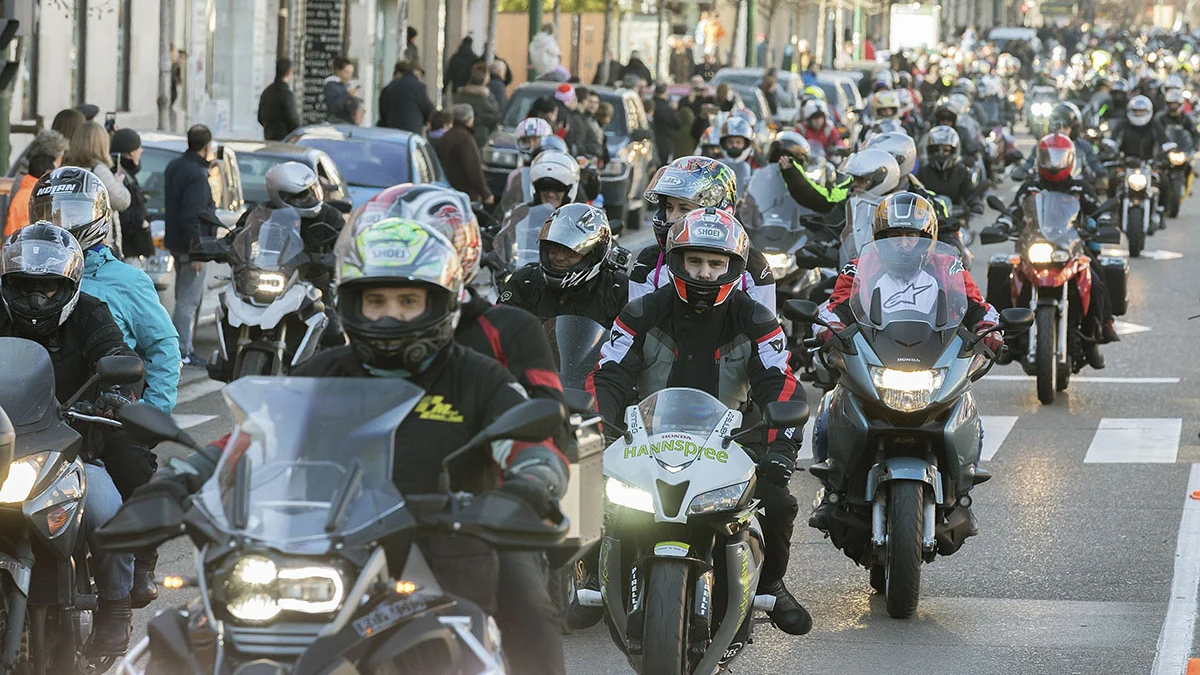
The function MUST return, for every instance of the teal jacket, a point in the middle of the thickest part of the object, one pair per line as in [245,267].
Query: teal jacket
[133,301]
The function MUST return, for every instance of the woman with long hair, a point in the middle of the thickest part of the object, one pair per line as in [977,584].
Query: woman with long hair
[89,149]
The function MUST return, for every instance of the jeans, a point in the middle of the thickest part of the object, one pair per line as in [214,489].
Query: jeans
[189,291]
[113,571]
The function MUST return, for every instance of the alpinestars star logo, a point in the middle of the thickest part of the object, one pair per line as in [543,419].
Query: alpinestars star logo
[905,297]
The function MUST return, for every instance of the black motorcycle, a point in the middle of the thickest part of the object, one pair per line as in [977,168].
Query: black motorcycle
[307,552]
[46,590]
[1178,169]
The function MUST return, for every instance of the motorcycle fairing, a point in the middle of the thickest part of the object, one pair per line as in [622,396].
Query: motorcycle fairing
[241,313]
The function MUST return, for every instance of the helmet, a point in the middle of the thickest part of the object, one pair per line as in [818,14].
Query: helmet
[941,147]
[960,104]
[964,86]
[745,113]
[945,114]
[443,209]
[550,142]
[530,132]
[1055,158]
[884,80]
[554,170]
[701,180]
[76,200]
[791,144]
[904,80]
[873,171]
[885,104]
[710,143]
[1066,115]
[813,91]
[814,107]
[1173,82]
[1174,101]
[294,185]
[737,127]
[40,269]
[398,252]
[898,215]
[714,231]
[1140,111]
[898,145]
[582,229]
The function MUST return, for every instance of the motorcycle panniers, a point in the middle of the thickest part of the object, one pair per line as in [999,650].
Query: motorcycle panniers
[1116,278]
[999,281]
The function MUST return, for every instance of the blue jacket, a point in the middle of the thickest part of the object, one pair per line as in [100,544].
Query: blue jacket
[133,301]
[186,194]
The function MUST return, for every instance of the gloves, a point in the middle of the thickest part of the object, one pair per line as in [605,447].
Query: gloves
[776,466]
[994,340]
[177,487]
[535,494]
[1005,222]
[826,334]
[111,400]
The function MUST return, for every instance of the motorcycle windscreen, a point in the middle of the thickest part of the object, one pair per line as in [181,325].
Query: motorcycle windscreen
[575,342]
[271,241]
[680,410]
[1052,216]
[517,241]
[299,443]
[860,213]
[770,215]
[27,388]
[911,280]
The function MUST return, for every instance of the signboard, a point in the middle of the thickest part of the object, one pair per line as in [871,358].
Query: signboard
[914,26]
[324,28]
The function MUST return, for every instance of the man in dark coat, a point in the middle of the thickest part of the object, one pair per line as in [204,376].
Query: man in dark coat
[666,123]
[458,71]
[636,67]
[459,155]
[277,107]
[404,103]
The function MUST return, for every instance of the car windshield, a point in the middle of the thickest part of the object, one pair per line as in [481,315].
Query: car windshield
[522,100]
[909,279]
[254,174]
[366,163]
[680,410]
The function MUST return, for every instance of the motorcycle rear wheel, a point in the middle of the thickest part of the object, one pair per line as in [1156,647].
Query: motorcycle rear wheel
[665,637]
[1045,357]
[902,564]
[1134,230]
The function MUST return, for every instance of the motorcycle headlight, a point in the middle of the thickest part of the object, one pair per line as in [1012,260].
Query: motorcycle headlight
[508,159]
[1041,108]
[721,499]
[22,476]
[780,264]
[906,390]
[624,494]
[261,285]
[1177,157]
[1104,127]
[1136,181]
[258,589]
[1041,253]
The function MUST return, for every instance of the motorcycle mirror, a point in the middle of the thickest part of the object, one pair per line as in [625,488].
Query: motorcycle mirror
[1016,319]
[993,235]
[149,425]
[120,369]
[143,522]
[802,311]
[579,401]
[208,249]
[1020,174]
[997,203]
[531,421]
[783,414]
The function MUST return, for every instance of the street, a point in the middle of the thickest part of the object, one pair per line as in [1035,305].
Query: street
[1074,568]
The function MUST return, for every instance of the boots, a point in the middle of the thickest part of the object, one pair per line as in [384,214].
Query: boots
[789,615]
[145,591]
[111,634]
[823,513]
[1094,358]
[1108,333]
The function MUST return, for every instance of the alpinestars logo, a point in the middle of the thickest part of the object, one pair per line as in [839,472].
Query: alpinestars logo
[905,297]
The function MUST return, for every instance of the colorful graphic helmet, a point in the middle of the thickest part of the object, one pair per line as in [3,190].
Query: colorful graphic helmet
[701,180]
[444,209]
[707,230]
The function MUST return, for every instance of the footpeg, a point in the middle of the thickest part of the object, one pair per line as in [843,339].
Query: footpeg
[764,602]
[820,470]
[587,597]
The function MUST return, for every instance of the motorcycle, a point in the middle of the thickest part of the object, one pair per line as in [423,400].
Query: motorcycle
[269,316]
[1178,152]
[682,548]
[516,244]
[1050,274]
[903,431]
[1041,100]
[1138,192]
[46,589]
[307,554]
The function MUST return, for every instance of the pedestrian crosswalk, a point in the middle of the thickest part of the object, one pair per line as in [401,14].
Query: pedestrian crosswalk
[1114,440]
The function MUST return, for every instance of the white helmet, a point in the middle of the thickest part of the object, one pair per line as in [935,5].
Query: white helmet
[898,145]
[530,133]
[814,106]
[874,172]
[558,167]
[737,127]
[1139,111]
[882,101]
[294,185]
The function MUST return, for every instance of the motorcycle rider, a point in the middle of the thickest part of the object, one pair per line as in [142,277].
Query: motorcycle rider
[534,135]
[1139,136]
[684,185]
[1055,159]
[910,217]
[574,274]
[1175,117]
[1065,118]
[1115,108]
[661,339]
[77,201]
[41,269]
[816,127]
[737,142]
[943,173]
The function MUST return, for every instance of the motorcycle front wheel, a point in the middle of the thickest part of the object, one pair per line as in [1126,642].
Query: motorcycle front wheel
[1046,358]
[905,516]
[253,362]
[1135,230]
[1177,198]
[665,638]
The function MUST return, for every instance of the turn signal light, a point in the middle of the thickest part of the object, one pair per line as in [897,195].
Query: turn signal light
[405,588]
[57,519]
[172,582]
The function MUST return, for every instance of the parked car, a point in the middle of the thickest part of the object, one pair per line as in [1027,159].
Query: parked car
[371,158]
[843,97]
[255,158]
[622,181]
[788,87]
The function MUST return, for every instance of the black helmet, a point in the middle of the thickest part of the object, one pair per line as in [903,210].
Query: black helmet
[793,145]
[582,229]
[40,269]
[76,200]
[945,114]
[1066,115]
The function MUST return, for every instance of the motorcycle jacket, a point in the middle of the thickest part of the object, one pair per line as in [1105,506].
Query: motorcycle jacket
[827,137]
[818,198]
[514,338]
[1142,142]
[600,299]
[954,183]
[735,351]
[650,273]
[1181,121]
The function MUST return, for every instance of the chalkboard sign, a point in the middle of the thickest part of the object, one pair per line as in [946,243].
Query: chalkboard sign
[324,30]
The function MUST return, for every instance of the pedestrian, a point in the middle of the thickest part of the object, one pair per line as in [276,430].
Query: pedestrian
[277,106]
[459,155]
[47,142]
[89,110]
[636,67]
[458,70]
[411,53]
[190,214]
[404,103]
[67,122]
[40,164]
[727,97]
[707,68]
[352,113]
[544,53]
[768,87]
[477,95]
[614,71]
[337,85]
[547,108]
[682,142]
[585,138]
[565,99]
[666,123]
[604,114]
[90,149]
[497,72]
[680,63]
[439,122]
[136,239]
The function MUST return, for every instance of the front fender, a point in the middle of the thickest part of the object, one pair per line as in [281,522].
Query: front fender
[904,468]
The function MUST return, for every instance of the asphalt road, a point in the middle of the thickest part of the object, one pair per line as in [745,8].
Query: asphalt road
[1075,567]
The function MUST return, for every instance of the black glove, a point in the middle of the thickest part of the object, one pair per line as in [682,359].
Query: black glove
[535,494]
[111,400]
[176,486]
[776,467]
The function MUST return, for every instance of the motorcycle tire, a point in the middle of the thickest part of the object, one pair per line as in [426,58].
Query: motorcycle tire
[906,509]
[1062,376]
[253,362]
[665,637]
[1134,230]
[1176,199]
[1045,358]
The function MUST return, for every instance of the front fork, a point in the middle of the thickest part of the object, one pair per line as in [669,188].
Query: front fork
[18,600]
[1060,305]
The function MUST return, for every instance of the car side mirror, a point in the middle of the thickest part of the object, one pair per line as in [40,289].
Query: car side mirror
[120,369]
[1016,319]
[993,235]
[784,414]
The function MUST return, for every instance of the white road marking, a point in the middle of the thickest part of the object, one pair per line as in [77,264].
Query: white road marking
[1127,328]
[1135,441]
[806,441]
[1175,641]
[1162,255]
[995,429]
[1088,379]
[197,389]
[188,421]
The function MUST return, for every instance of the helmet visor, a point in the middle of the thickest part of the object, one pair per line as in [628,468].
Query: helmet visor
[41,258]
[305,199]
[528,144]
[1056,159]
[68,211]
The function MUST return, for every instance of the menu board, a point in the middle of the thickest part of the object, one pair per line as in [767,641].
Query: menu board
[324,31]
